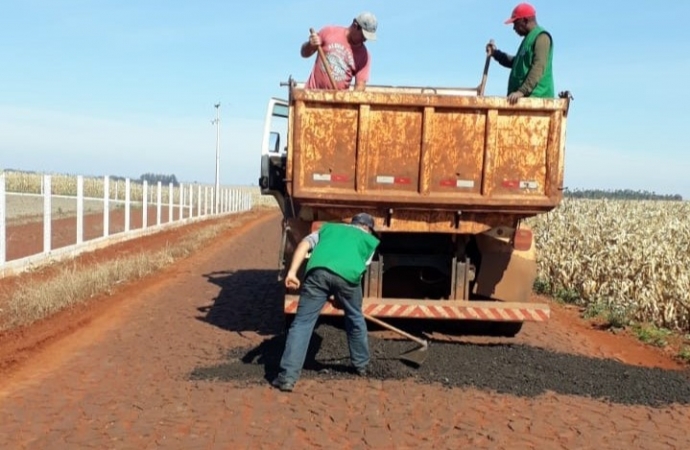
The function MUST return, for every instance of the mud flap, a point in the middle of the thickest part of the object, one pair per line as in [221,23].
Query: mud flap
[505,274]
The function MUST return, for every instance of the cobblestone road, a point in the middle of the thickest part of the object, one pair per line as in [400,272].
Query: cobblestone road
[123,381]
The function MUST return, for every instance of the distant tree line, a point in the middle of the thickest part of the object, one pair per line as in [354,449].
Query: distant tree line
[619,194]
[154,178]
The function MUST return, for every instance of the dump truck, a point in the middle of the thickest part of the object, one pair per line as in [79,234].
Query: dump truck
[449,175]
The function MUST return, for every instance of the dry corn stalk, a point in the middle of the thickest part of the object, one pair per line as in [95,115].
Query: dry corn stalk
[627,255]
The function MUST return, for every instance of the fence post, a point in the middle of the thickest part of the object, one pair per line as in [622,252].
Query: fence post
[3,218]
[127,199]
[47,209]
[80,209]
[181,202]
[170,202]
[191,201]
[106,206]
[145,205]
[159,198]
[198,201]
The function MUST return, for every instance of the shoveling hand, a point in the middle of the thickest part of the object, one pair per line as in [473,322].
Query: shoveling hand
[291,281]
[314,39]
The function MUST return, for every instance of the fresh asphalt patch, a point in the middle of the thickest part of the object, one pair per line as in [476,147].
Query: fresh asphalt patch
[513,369]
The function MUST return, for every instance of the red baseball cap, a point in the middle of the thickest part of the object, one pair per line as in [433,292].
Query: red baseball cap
[521,11]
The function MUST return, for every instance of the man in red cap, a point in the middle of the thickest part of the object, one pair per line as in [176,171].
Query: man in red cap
[531,72]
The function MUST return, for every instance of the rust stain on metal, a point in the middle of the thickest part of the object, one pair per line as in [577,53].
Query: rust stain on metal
[426,155]
[424,221]
[327,141]
[520,154]
[504,271]
[457,151]
[394,148]
[425,168]
[361,169]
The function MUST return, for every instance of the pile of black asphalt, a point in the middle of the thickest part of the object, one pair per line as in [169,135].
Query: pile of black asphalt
[514,369]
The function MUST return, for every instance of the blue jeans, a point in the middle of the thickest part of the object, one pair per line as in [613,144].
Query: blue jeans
[318,285]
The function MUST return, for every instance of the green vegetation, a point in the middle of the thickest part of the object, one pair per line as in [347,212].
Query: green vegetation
[619,194]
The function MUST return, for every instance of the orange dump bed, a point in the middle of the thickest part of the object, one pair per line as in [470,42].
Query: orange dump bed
[425,152]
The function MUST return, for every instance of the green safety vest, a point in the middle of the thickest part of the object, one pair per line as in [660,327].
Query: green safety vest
[522,62]
[344,250]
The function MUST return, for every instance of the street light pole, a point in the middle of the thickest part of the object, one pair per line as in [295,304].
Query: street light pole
[215,192]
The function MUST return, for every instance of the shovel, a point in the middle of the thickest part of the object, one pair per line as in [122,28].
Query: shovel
[485,74]
[326,64]
[416,356]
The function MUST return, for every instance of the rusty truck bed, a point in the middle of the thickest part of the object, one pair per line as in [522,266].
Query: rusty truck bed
[434,153]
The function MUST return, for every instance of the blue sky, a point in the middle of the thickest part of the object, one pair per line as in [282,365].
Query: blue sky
[124,87]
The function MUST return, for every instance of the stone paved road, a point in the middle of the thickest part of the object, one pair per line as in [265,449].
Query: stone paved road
[122,382]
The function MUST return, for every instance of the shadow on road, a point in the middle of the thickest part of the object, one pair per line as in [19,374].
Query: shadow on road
[249,300]
[518,370]
[252,300]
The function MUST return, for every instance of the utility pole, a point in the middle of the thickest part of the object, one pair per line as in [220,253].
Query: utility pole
[216,206]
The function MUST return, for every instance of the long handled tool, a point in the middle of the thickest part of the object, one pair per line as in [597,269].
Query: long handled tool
[485,75]
[326,64]
[416,356]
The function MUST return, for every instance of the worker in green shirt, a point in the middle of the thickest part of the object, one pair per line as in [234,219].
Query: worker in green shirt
[531,72]
[340,254]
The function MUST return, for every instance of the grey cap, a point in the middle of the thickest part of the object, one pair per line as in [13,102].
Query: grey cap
[368,22]
[363,219]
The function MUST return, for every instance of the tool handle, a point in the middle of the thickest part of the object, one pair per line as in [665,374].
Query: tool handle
[326,64]
[396,330]
[485,74]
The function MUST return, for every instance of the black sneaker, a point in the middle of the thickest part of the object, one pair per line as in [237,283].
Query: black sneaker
[283,386]
[362,371]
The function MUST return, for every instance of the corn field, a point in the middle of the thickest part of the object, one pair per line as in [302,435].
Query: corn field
[32,183]
[629,258]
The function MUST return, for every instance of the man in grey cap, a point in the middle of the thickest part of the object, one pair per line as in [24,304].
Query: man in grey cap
[345,50]
[340,254]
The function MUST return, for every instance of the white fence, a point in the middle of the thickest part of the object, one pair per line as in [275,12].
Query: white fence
[183,203]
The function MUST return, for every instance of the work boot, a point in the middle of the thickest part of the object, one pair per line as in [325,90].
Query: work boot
[283,386]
